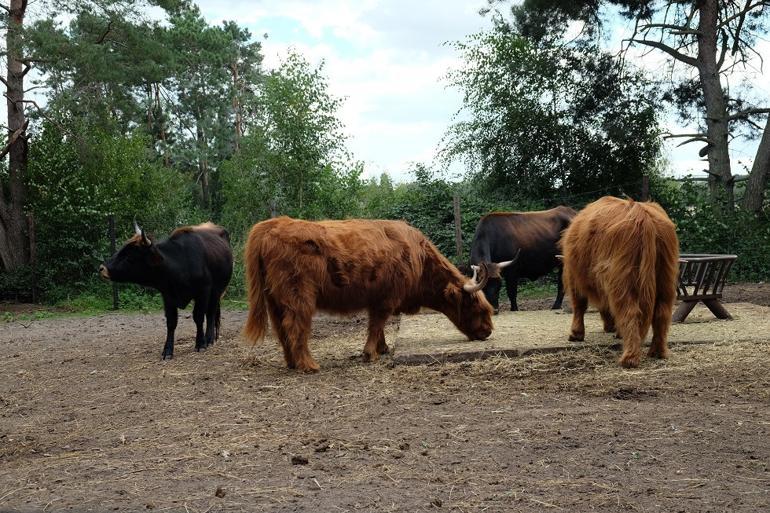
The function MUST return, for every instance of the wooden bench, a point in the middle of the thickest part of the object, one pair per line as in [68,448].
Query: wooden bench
[702,278]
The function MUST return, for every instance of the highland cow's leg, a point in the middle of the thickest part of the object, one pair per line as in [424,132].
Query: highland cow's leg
[628,323]
[607,319]
[375,342]
[579,307]
[199,313]
[661,320]
[276,320]
[297,320]
[559,288]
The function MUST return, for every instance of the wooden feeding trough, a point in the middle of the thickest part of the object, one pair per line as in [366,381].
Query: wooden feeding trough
[702,278]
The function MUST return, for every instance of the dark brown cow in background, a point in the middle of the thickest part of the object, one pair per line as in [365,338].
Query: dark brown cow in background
[295,267]
[623,256]
[533,236]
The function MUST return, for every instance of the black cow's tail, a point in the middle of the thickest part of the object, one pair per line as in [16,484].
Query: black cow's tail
[256,320]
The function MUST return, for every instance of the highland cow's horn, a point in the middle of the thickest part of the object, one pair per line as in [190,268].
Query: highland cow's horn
[472,286]
[136,227]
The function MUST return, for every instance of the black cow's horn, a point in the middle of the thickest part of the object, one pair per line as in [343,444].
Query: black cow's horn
[502,265]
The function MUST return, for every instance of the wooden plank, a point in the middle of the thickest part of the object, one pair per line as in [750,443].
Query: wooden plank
[683,310]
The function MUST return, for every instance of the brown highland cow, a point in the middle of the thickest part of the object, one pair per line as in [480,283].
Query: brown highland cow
[295,267]
[622,256]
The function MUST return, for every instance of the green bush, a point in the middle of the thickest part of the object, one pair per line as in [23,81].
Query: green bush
[74,185]
[703,229]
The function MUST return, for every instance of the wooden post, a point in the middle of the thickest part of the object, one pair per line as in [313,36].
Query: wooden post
[645,188]
[113,246]
[32,254]
[458,227]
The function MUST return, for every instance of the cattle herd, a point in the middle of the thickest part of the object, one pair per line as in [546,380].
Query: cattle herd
[620,255]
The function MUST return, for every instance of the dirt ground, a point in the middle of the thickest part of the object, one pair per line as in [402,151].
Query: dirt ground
[92,420]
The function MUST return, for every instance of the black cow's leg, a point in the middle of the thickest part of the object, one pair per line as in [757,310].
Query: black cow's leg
[171,319]
[512,288]
[212,319]
[559,289]
[199,312]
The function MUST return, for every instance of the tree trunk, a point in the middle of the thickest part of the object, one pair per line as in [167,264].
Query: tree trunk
[237,106]
[716,106]
[14,247]
[203,168]
[757,183]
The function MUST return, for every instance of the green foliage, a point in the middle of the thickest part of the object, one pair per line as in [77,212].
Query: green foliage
[702,229]
[545,119]
[76,183]
[293,160]
[427,204]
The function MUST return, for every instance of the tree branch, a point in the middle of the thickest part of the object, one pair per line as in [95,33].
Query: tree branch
[739,14]
[679,29]
[671,51]
[5,82]
[12,139]
[723,51]
[107,31]
[692,140]
[743,114]
[736,41]
[672,136]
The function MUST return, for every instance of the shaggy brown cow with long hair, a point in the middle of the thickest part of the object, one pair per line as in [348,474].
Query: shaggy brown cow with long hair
[294,267]
[623,256]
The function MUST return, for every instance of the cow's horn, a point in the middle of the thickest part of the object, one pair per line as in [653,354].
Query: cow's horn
[136,228]
[472,286]
[503,265]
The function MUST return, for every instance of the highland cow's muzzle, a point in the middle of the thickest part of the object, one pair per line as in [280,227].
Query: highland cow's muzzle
[103,272]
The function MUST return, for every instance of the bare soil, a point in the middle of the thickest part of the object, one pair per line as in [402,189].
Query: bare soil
[92,420]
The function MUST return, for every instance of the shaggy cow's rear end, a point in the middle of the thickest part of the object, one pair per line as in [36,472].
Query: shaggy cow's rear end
[622,256]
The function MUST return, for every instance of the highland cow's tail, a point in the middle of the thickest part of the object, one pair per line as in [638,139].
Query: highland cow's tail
[256,321]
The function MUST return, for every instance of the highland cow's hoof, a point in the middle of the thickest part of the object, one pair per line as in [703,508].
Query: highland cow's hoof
[370,357]
[573,337]
[308,366]
[655,353]
[629,361]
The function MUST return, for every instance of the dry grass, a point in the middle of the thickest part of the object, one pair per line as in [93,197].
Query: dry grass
[92,419]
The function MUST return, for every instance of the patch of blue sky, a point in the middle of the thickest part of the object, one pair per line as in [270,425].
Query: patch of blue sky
[284,30]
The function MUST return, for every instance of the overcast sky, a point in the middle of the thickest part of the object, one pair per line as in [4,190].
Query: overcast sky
[387,59]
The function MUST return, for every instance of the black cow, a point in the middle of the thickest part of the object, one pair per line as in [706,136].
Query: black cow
[531,239]
[194,263]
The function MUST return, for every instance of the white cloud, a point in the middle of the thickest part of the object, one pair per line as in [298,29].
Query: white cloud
[387,59]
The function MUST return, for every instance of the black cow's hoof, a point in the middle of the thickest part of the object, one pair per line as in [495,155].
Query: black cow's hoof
[164,356]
